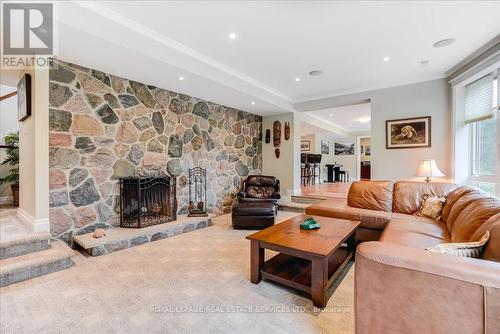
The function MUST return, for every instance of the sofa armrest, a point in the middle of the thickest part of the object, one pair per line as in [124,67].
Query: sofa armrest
[474,271]
[276,195]
[400,289]
[242,194]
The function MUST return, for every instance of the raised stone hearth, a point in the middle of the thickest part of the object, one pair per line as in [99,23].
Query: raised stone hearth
[120,238]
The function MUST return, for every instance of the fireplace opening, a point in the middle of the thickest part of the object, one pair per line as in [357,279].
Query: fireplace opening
[147,201]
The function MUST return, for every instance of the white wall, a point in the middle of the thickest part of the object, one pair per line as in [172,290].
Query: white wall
[430,98]
[8,124]
[34,155]
[287,167]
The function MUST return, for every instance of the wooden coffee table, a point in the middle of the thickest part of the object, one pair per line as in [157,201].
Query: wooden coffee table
[308,260]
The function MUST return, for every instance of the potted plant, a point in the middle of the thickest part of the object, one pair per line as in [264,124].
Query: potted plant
[12,159]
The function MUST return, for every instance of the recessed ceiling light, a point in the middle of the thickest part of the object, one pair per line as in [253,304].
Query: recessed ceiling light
[331,115]
[387,59]
[424,62]
[297,79]
[252,103]
[232,35]
[444,42]
[364,119]
[315,72]
[181,78]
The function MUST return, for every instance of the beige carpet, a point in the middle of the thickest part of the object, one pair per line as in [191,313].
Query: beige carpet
[10,226]
[191,283]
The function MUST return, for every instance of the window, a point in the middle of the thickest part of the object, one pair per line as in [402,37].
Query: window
[484,153]
[482,115]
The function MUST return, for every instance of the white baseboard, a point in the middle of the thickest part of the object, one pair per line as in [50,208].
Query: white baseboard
[36,225]
[6,200]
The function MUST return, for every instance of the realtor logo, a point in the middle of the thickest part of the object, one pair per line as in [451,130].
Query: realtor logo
[27,29]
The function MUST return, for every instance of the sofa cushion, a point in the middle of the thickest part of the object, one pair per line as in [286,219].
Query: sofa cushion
[407,195]
[371,195]
[402,216]
[460,205]
[472,217]
[451,199]
[261,191]
[408,239]
[492,249]
[425,226]
[338,208]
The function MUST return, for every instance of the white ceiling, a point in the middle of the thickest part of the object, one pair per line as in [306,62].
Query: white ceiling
[348,118]
[309,129]
[157,41]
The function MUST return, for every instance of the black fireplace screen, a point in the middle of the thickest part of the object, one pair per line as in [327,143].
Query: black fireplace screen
[147,201]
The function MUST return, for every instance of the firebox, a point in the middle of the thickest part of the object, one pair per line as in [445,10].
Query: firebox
[147,201]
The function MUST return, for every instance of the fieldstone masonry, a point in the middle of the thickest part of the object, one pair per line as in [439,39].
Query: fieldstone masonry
[104,127]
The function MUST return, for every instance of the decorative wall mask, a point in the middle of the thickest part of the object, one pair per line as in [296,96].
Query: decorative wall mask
[277,133]
[277,153]
[268,136]
[287,130]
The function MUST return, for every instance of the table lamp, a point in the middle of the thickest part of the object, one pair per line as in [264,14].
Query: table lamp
[428,169]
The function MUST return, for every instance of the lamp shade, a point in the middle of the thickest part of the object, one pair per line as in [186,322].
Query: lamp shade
[428,168]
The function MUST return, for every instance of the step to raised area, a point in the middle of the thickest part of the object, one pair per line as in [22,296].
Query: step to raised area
[25,244]
[16,269]
[289,206]
[121,238]
[308,199]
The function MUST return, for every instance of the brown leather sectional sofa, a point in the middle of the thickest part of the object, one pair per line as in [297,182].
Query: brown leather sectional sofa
[402,288]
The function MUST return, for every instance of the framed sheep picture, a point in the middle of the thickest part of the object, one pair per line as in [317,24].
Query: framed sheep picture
[408,133]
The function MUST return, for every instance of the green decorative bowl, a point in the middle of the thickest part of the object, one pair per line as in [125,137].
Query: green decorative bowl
[310,224]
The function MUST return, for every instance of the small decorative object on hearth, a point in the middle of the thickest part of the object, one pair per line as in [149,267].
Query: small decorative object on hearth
[310,224]
[287,130]
[98,233]
[197,192]
[277,153]
[277,133]
[268,136]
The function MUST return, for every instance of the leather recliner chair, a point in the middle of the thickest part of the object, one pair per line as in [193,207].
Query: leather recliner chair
[257,203]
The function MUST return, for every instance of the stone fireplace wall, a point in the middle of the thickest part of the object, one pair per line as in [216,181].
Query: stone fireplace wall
[103,127]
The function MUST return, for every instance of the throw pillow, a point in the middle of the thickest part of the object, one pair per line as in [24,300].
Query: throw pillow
[464,249]
[431,207]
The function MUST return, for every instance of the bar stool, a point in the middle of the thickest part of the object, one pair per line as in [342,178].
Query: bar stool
[311,164]
[342,175]
[317,165]
[305,175]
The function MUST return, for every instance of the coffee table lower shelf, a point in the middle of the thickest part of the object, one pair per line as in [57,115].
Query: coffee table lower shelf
[295,272]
